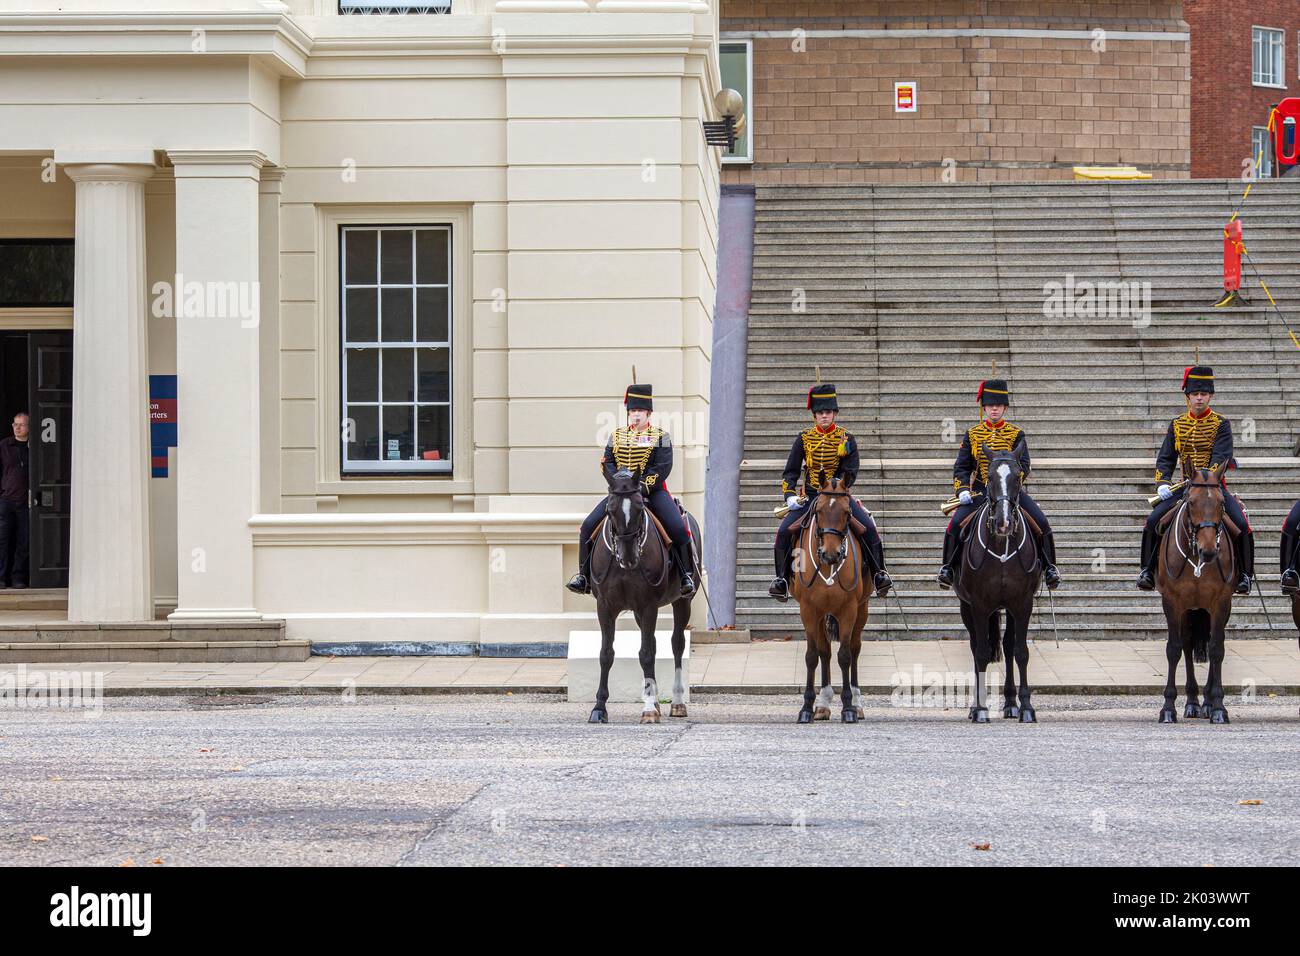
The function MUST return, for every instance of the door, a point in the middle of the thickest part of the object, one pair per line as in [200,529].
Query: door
[49,383]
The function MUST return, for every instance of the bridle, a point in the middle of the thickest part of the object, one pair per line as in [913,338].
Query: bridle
[985,524]
[836,561]
[642,533]
[1193,528]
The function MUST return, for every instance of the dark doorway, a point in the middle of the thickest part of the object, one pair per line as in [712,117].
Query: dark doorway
[36,378]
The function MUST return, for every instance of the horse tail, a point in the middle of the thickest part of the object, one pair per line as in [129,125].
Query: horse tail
[832,629]
[995,635]
[1199,622]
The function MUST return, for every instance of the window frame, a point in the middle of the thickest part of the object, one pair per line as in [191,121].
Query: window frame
[382,466]
[1257,31]
[1265,169]
[330,478]
[748,135]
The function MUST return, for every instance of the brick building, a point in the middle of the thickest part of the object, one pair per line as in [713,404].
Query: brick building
[1003,90]
[1245,58]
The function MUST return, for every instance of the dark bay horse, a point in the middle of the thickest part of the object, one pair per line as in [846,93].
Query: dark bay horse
[998,573]
[631,571]
[832,588]
[1196,578]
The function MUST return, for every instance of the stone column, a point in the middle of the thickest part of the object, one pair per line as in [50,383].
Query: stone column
[110,574]
[218,381]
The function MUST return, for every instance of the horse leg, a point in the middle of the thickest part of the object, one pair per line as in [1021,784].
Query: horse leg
[1217,713]
[1173,650]
[650,687]
[1020,640]
[681,614]
[599,715]
[825,633]
[848,710]
[810,660]
[980,650]
[1193,707]
[857,651]
[1009,708]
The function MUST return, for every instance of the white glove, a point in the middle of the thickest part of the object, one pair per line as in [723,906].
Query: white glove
[791,501]
[965,497]
[1165,492]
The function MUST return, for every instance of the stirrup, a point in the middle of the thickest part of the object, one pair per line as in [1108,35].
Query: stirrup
[882,582]
[780,589]
[945,577]
[1052,576]
[1146,580]
[688,585]
[579,584]
[1290,581]
[1244,584]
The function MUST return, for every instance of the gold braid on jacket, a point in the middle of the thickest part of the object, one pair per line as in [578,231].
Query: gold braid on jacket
[633,448]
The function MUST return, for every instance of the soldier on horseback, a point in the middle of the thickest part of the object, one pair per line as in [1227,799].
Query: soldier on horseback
[1290,551]
[828,451]
[1201,438]
[993,433]
[647,452]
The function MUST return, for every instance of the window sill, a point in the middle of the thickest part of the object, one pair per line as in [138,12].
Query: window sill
[405,485]
[1269,86]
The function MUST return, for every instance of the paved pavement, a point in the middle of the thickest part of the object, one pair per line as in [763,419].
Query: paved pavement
[458,779]
[762,667]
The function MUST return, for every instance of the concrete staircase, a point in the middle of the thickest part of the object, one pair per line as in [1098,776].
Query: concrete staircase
[905,296]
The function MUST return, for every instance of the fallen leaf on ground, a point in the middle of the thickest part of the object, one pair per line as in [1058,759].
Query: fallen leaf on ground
[980,846]
[158,860]
[1248,803]
[127,862]
[40,839]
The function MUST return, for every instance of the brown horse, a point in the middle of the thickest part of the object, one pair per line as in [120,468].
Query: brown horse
[833,594]
[1196,578]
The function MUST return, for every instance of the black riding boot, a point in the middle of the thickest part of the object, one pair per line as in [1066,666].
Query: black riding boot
[1050,575]
[881,580]
[1247,579]
[1287,562]
[580,583]
[780,588]
[1147,576]
[682,555]
[949,553]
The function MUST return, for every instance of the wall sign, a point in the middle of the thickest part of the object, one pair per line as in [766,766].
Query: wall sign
[905,97]
[162,420]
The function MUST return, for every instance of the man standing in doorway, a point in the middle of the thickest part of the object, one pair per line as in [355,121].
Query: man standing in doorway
[13,505]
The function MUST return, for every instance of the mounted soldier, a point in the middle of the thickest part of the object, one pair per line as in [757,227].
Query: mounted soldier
[970,475]
[824,452]
[646,452]
[1199,438]
[1288,558]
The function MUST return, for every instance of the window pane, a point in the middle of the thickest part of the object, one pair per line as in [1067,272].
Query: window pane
[362,436]
[733,64]
[363,375]
[431,255]
[399,375]
[361,256]
[362,318]
[431,315]
[435,433]
[397,315]
[395,256]
[435,375]
[399,433]
[36,272]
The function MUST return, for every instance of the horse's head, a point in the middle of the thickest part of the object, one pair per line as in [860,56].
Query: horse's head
[832,511]
[625,512]
[1205,509]
[1004,480]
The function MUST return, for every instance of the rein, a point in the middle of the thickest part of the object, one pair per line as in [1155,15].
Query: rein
[607,539]
[1183,522]
[816,561]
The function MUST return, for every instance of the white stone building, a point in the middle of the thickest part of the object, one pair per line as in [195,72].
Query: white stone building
[400,266]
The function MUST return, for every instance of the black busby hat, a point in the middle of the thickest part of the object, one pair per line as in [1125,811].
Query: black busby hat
[821,398]
[1198,378]
[638,396]
[994,391]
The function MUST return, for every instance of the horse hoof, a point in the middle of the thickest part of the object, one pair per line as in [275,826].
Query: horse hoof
[1167,716]
[598,716]
[981,715]
[1010,711]
[678,710]
[1193,710]
[1219,716]
[848,716]
[805,717]
[822,713]
[1027,715]
[862,714]
[649,716]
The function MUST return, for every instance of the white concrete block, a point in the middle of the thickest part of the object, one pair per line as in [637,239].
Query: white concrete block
[625,680]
